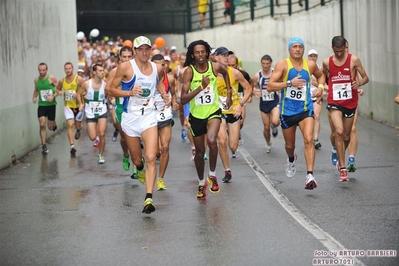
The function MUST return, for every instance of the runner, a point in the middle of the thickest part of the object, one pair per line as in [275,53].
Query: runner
[69,85]
[230,116]
[199,87]
[126,54]
[312,55]
[45,93]
[165,120]
[95,108]
[342,69]
[296,107]
[233,62]
[269,102]
[140,78]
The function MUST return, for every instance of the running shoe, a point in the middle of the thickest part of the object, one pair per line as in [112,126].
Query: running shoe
[274,131]
[343,175]
[134,174]
[240,141]
[290,169]
[161,184]
[201,193]
[205,157]
[183,134]
[96,143]
[101,159]
[352,165]
[126,163]
[268,148]
[73,150]
[141,173]
[77,134]
[234,155]
[213,184]
[317,144]
[334,158]
[115,135]
[149,206]
[44,149]
[310,182]
[227,177]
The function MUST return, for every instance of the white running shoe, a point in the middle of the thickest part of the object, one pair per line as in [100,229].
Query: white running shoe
[290,169]
[310,182]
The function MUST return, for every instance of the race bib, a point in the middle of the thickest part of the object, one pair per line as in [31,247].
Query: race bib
[164,114]
[342,91]
[205,97]
[45,93]
[296,94]
[267,96]
[69,95]
[96,108]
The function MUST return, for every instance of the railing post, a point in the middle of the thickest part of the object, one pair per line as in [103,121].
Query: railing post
[189,22]
[252,6]
[322,2]
[289,7]
[232,14]
[211,22]
[306,5]
[272,7]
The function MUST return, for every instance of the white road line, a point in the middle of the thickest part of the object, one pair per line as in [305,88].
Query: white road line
[326,239]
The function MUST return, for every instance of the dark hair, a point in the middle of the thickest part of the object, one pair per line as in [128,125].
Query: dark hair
[266,57]
[235,57]
[43,64]
[125,48]
[68,63]
[338,41]
[190,51]
[157,57]
[96,65]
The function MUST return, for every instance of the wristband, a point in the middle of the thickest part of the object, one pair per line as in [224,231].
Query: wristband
[242,104]
[321,86]
[201,87]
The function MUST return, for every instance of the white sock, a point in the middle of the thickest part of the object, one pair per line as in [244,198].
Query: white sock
[201,182]
[212,173]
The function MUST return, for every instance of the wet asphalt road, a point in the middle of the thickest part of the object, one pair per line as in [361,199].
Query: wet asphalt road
[58,210]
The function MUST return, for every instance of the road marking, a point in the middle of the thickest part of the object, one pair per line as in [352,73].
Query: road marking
[326,239]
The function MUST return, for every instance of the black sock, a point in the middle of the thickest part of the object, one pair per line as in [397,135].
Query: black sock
[310,172]
[291,159]
[343,168]
[148,195]
[140,167]
[77,130]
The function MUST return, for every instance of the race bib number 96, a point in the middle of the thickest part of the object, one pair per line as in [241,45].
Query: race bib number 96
[296,94]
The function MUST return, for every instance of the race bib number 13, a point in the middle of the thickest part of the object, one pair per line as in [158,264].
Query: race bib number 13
[205,97]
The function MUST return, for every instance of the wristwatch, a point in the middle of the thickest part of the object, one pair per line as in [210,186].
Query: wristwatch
[242,104]
[289,84]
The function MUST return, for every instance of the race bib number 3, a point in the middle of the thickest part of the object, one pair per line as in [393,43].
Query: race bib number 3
[96,107]
[44,94]
[266,96]
[342,91]
[205,97]
[296,94]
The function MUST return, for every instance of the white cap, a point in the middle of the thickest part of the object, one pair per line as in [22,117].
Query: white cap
[141,40]
[312,51]
[173,48]
[81,70]
[213,51]
[167,58]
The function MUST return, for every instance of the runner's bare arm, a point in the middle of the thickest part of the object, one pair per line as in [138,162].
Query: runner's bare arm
[275,81]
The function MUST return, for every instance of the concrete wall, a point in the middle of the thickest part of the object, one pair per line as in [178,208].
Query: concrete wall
[31,32]
[371,28]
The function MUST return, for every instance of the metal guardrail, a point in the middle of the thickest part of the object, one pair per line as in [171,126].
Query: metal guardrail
[187,19]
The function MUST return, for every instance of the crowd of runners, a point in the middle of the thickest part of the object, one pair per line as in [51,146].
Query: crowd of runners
[205,87]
